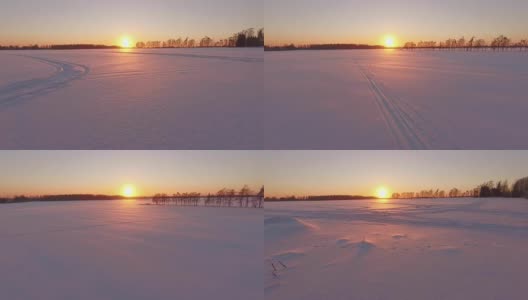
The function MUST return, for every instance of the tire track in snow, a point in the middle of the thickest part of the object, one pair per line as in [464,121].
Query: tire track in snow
[402,126]
[65,72]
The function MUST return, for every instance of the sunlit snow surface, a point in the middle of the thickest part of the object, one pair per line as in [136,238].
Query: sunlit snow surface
[123,250]
[407,249]
[395,99]
[131,99]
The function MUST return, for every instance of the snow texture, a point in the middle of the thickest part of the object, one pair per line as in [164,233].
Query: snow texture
[123,250]
[131,99]
[452,249]
[394,99]
[245,99]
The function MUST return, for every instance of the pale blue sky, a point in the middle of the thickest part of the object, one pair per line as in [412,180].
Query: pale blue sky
[361,21]
[105,21]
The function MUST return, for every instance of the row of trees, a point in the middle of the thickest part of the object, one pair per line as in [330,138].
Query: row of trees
[245,197]
[503,189]
[488,189]
[437,193]
[184,199]
[245,38]
[499,43]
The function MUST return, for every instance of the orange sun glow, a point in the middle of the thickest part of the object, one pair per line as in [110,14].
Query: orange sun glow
[128,190]
[390,42]
[382,192]
[125,42]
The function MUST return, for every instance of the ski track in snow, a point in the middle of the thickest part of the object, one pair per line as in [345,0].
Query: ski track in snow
[399,120]
[65,73]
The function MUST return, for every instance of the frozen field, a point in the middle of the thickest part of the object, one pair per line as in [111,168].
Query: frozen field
[133,99]
[391,99]
[454,249]
[123,250]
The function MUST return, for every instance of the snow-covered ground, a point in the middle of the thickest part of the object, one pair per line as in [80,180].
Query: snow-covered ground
[131,99]
[402,249]
[222,99]
[391,99]
[123,250]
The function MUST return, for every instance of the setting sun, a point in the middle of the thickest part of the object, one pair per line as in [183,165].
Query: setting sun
[128,190]
[126,42]
[390,42]
[382,193]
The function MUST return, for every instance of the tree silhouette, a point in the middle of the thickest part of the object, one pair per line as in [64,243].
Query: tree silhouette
[223,198]
[499,43]
[520,188]
[244,38]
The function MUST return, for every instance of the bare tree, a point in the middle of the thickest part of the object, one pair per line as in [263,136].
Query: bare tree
[206,42]
[469,45]
[523,44]
[461,43]
[480,43]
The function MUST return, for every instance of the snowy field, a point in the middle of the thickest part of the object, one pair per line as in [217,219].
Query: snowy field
[130,99]
[123,250]
[453,249]
[391,99]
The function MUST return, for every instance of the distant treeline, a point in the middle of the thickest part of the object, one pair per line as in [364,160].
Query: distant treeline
[244,38]
[59,47]
[519,189]
[70,197]
[322,47]
[318,198]
[499,43]
[488,189]
[245,197]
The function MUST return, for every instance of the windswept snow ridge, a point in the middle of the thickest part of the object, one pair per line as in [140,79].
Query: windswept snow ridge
[417,249]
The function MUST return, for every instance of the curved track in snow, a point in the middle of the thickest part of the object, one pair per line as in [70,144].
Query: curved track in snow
[401,121]
[65,72]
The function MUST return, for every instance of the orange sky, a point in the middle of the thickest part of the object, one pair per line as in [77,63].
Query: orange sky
[106,172]
[105,21]
[360,21]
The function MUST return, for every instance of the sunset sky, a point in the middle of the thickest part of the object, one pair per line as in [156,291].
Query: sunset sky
[105,21]
[359,21]
[282,172]
[107,172]
[362,172]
